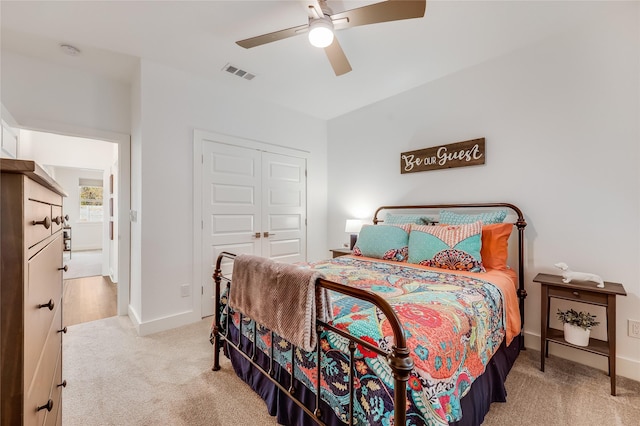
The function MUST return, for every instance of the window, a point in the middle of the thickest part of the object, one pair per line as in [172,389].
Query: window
[91,209]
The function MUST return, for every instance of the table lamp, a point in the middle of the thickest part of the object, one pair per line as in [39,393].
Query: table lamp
[353,226]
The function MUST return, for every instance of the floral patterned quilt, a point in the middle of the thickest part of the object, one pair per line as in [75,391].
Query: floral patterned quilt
[453,325]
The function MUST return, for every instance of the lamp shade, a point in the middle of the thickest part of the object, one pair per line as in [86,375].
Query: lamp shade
[353,226]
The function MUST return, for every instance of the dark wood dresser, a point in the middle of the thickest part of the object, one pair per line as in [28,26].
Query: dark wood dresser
[30,295]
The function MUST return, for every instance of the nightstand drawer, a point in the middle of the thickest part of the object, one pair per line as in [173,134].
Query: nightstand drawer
[341,252]
[578,295]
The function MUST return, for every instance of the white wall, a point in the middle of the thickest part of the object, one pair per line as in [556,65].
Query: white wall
[171,105]
[561,124]
[10,134]
[40,94]
[66,151]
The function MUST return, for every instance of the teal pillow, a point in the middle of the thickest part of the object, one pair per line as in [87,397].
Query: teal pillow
[388,242]
[401,219]
[455,247]
[487,218]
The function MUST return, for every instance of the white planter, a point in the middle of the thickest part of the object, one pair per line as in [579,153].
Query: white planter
[576,335]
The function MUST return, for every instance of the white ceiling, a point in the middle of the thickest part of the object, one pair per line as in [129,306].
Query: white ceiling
[199,37]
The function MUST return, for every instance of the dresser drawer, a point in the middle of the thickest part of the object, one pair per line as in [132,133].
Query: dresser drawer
[44,284]
[35,350]
[578,295]
[36,211]
[36,192]
[54,416]
[39,390]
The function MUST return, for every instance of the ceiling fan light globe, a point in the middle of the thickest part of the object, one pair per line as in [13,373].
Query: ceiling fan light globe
[320,33]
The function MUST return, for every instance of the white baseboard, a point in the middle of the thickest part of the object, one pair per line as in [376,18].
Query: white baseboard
[625,367]
[86,248]
[162,324]
[134,317]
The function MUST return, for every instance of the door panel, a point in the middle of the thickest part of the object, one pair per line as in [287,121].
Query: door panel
[287,251]
[284,207]
[226,266]
[231,207]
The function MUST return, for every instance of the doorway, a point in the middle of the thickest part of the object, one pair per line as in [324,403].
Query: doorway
[96,175]
[90,281]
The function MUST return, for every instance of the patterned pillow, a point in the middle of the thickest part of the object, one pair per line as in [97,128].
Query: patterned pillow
[451,218]
[401,219]
[388,242]
[454,247]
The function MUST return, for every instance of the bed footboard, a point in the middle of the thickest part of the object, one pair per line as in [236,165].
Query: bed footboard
[398,358]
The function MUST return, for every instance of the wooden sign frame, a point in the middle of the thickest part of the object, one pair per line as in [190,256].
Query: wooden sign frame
[459,154]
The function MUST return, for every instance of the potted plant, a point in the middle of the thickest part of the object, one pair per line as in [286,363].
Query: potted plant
[577,326]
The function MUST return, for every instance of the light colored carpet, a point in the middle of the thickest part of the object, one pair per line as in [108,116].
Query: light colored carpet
[565,394]
[118,378]
[83,264]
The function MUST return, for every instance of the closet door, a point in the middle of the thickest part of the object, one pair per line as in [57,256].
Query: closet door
[231,208]
[283,207]
[254,202]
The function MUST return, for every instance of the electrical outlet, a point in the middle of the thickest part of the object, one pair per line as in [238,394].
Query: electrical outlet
[185,290]
[634,328]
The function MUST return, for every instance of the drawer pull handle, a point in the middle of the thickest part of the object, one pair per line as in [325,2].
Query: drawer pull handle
[64,268]
[63,384]
[46,222]
[48,406]
[49,305]
[575,293]
[57,220]
[63,330]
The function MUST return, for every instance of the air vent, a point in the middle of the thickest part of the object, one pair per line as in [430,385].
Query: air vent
[232,69]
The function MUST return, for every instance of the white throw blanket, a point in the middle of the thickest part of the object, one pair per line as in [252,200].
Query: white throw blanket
[281,297]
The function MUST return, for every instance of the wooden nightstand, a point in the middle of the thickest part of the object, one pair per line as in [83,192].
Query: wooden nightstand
[584,292]
[340,252]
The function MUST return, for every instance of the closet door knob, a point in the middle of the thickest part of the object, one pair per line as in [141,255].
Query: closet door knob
[49,305]
[63,330]
[48,406]
[64,268]
[267,234]
[57,220]
[46,222]
[256,235]
[64,382]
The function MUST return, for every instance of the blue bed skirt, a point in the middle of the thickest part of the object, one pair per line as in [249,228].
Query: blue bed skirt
[488,388]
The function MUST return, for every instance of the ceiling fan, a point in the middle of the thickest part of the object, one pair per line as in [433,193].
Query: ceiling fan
[323,22]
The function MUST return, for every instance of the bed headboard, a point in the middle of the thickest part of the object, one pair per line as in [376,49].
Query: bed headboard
[514,215]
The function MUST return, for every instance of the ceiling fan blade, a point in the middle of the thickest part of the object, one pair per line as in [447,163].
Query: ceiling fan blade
[314,9]
[271,37]
[390,10]
[338,59]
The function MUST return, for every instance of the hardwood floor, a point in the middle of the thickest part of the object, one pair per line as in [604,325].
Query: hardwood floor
[88,299]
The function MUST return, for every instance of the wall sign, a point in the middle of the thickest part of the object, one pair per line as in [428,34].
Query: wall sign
[459,154]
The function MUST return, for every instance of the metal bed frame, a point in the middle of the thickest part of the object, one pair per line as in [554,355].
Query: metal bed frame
[399,358]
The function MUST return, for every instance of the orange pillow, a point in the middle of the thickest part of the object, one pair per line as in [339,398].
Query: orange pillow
[495,245]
